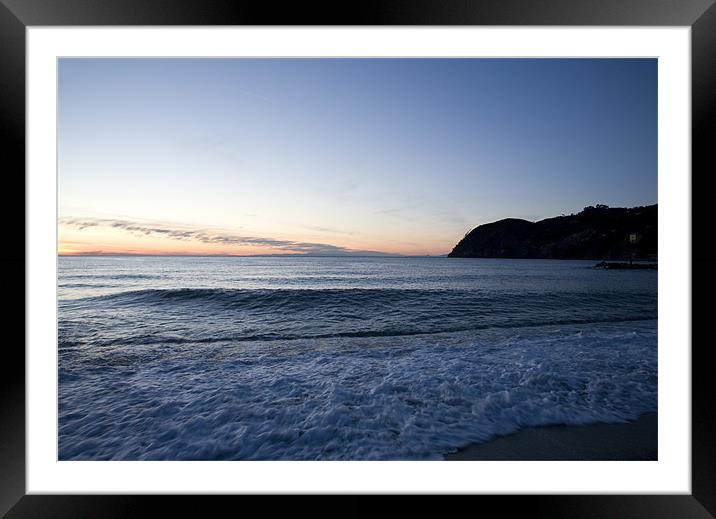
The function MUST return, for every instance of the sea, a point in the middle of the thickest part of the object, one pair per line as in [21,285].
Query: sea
[342,358]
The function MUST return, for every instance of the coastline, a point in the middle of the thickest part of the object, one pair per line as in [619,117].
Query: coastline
[632,441]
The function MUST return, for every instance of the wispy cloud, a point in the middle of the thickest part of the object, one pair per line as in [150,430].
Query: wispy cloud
[207,236]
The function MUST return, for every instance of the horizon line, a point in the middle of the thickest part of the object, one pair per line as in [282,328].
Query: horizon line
[382,255]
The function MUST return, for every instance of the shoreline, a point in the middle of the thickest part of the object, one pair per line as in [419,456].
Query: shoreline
[631,441]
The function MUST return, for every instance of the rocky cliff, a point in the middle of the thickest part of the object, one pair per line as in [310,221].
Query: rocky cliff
[599,232]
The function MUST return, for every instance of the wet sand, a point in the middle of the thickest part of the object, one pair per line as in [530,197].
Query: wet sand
[634,441]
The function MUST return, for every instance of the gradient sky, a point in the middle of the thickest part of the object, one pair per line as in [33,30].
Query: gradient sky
[254,156]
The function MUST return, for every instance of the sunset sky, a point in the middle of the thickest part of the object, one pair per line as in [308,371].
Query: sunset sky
[336,156]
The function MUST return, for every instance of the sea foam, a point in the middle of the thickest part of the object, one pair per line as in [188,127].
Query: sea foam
[397,398]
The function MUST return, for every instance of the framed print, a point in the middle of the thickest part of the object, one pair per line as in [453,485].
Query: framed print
[414,252]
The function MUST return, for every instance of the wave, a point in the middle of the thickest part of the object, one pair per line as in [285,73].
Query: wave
[158,339]
[415,398]
[117,277]
[86,285]
[276,298]
[207,315]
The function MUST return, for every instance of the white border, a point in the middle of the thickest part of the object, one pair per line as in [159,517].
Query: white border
[671,474]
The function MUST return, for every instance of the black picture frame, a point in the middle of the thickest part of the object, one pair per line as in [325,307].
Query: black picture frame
[700,15]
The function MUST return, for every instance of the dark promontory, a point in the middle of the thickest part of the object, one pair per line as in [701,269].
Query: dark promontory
[601,232]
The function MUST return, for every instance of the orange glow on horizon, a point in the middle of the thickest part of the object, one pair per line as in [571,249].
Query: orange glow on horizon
[183,248]
[90,250]
[104,239]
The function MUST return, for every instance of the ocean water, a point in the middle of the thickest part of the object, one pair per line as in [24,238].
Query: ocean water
[342,358]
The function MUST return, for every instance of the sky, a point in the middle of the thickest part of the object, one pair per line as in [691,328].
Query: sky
[342,156]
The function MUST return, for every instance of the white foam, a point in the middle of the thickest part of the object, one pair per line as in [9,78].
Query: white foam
[389,398]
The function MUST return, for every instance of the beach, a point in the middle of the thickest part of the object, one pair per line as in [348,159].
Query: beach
[633,441]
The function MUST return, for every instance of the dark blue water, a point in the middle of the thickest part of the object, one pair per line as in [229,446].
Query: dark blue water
[342,358]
